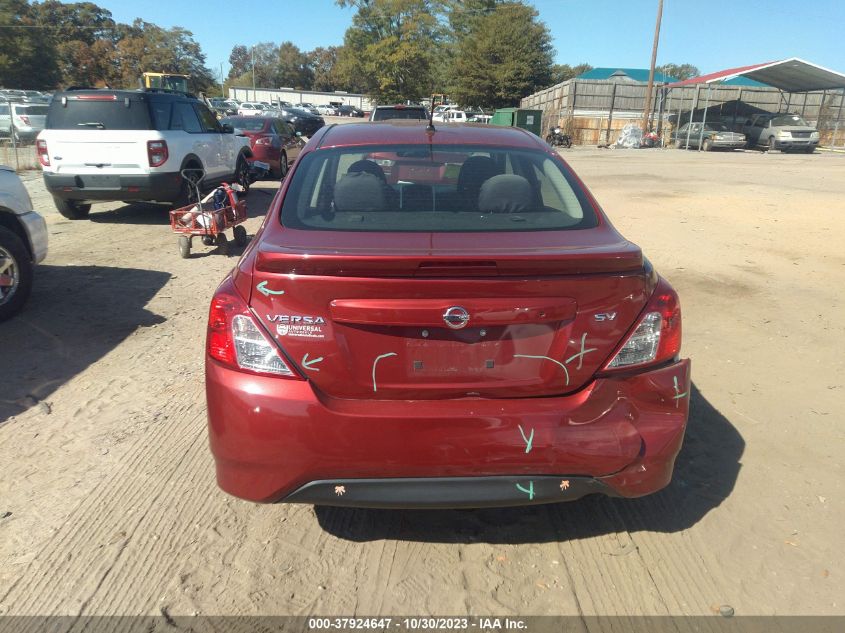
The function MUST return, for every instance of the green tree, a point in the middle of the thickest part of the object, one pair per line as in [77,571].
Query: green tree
[390,51]
[679,71]
[293,69]
[506,56]
[27,51]
[322,62]
[563,72]
[240,60]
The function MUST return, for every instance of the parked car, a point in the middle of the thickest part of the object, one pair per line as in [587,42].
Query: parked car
[399,111]
[251,109]
[309,107]
[438,320]
[132,146]
[272,140]
[303,121]
[480,118]
[710,135]
[451,115]
[348,110]
[781,131]
[27,119]
[23,243]
[326,110]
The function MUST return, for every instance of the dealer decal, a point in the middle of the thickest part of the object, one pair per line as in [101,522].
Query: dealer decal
[298,325]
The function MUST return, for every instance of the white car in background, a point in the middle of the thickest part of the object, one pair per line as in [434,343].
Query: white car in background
[252,109]
[326,110]
[23,242]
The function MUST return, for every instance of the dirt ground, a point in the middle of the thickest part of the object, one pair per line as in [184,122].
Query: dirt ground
[110,485]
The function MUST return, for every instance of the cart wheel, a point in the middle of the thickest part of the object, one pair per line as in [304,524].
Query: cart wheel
[240,235]
[222,243]
[184,247]
[208,240]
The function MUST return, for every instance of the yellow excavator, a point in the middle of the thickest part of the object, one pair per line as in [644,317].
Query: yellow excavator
[168,81]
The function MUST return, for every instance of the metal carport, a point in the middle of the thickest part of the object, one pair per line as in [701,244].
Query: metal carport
[793,75]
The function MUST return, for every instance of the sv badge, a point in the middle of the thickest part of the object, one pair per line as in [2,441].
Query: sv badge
[604,316]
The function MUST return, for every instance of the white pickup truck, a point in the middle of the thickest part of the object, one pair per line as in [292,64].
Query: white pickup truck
[132,145]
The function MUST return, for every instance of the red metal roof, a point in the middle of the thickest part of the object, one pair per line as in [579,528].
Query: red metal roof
[789,75]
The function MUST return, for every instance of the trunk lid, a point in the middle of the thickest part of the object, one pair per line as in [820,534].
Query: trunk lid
[99,151]
[433,319]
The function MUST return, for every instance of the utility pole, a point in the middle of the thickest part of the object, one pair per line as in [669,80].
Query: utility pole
[254,98]
[650,88]
[222,89]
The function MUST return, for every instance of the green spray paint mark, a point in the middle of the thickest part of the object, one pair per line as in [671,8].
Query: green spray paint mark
[678,395]
[528,440]
[529,491]
[556,362]
[580,355]
[263,289]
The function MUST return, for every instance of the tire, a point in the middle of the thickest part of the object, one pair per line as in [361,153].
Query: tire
[187,193]
[282,171]
[707,145]
[567,142]
[71,209]
[772,144]
[550,139]
[184,247]
[810,150]
[679,144]
[241,238]
[16,266]
[242,174]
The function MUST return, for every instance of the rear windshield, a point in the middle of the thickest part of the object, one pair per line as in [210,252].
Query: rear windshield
[98,115]
[246,123]
[383,114]
[438,188]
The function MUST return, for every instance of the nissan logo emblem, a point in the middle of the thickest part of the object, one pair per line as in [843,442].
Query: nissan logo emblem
[456,317]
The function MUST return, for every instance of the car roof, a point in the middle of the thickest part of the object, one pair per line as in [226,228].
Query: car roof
[156,93]
[410,132]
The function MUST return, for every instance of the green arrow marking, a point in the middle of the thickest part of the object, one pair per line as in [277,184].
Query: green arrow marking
[529,492]
[309,364]
[262,288]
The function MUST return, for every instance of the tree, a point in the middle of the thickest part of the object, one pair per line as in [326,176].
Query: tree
[27,52]
[506,56]
[679,71]
[563,72]
[240,60]
[322,62]
[391,49]
[293,69]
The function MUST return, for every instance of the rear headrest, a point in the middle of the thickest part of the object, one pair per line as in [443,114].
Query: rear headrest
[507,193]
[361,192]
[367,166]
[474,171]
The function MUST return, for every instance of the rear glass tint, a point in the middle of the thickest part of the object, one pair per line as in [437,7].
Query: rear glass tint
[438,188]
[383,114]
[98,115]
[33,110]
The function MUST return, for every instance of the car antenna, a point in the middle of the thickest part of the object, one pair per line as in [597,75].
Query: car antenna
[430,126]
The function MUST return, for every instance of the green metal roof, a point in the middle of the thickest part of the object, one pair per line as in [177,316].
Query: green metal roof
[636,74]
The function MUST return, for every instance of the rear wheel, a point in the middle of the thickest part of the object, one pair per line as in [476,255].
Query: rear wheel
[242,174]
[15,274]
[282,171]
[72,209]
[188,190]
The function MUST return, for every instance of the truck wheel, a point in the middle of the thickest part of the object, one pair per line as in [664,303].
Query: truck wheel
[71,209]
[15,274]
[187,191]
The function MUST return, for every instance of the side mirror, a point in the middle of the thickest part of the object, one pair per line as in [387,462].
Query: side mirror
[227,128]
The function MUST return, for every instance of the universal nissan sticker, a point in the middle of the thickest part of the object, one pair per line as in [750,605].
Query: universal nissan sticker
[298,325]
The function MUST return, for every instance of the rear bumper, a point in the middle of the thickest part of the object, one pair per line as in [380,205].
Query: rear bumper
[156,187]
[277,440]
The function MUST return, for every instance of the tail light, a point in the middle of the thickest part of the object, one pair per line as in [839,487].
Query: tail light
[237,341]
[264,140]
[157,153]
[24,118]
[657,335]
[43,156]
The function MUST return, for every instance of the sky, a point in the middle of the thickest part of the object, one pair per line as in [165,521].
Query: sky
[712,35]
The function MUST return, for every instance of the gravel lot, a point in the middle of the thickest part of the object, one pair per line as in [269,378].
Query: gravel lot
[110,485]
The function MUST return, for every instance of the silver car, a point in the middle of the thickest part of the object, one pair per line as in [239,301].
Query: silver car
[25,119]
[710,135]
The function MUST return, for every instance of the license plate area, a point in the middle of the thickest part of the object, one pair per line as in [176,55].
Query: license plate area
[98,181]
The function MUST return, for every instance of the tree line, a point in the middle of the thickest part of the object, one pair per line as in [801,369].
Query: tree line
[47,45]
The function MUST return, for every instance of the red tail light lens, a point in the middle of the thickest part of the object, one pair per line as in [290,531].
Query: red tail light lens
[43,156]
[157,153]
[237,341]
[656,338]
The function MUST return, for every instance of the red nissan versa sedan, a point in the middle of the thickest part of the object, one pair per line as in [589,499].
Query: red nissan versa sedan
[446,318]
